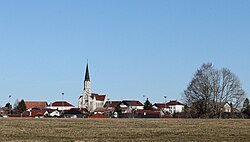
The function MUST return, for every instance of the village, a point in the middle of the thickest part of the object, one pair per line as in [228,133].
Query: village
[94,105]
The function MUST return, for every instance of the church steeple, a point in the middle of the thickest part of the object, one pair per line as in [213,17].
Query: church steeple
[84,101]
[87,78]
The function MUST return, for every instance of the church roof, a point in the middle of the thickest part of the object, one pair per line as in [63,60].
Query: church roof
[87,78]
[98,97]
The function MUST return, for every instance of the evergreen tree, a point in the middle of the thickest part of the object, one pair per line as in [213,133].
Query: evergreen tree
[147,105]
[8,107]
[21,106]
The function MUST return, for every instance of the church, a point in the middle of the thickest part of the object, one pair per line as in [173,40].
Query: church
[88,100]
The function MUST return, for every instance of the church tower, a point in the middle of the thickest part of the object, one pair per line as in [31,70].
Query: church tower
[84,100]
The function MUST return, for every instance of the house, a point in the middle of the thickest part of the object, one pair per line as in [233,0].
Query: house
[110,107]
[37,113]
[35,104]
[73,113]
[100,110]
[175,106]
[226,107]
[170,107]
[129,106]
[112,104]
[2,111]
[162,108]
[33,107]
[54,113]
[88,100]
[60,105]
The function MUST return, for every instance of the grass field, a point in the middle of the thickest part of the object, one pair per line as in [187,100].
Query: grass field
[124,130]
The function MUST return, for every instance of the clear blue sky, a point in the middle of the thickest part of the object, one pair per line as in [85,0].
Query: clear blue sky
[134,47]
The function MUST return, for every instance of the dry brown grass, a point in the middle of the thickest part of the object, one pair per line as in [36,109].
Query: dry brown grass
[124,130]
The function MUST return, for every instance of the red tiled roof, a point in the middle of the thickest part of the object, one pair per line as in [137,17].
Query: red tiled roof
[161,105]
[98,116]
[98,97]
[35,104]
[132,102]
[172,103]
[62,103]
[37,113]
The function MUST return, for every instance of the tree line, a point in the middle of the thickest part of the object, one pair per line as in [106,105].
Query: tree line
[18,108]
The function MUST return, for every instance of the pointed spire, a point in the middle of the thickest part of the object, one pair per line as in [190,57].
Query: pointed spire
[87,78]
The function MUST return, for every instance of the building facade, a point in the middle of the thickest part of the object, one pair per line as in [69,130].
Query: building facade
[170,107]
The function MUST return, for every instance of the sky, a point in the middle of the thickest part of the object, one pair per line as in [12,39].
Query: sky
[134,48]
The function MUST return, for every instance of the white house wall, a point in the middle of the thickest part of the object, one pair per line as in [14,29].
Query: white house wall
[176,109]
[60,107]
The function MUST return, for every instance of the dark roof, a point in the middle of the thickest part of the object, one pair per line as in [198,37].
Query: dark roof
[51,110]
[132,103]
[172,103]
[35,104]
[161,105]
[98,97]
[73,111]
[83,110]
[87,78]
[61,103]
[112,103]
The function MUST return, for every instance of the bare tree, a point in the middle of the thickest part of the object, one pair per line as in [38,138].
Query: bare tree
[210,89]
